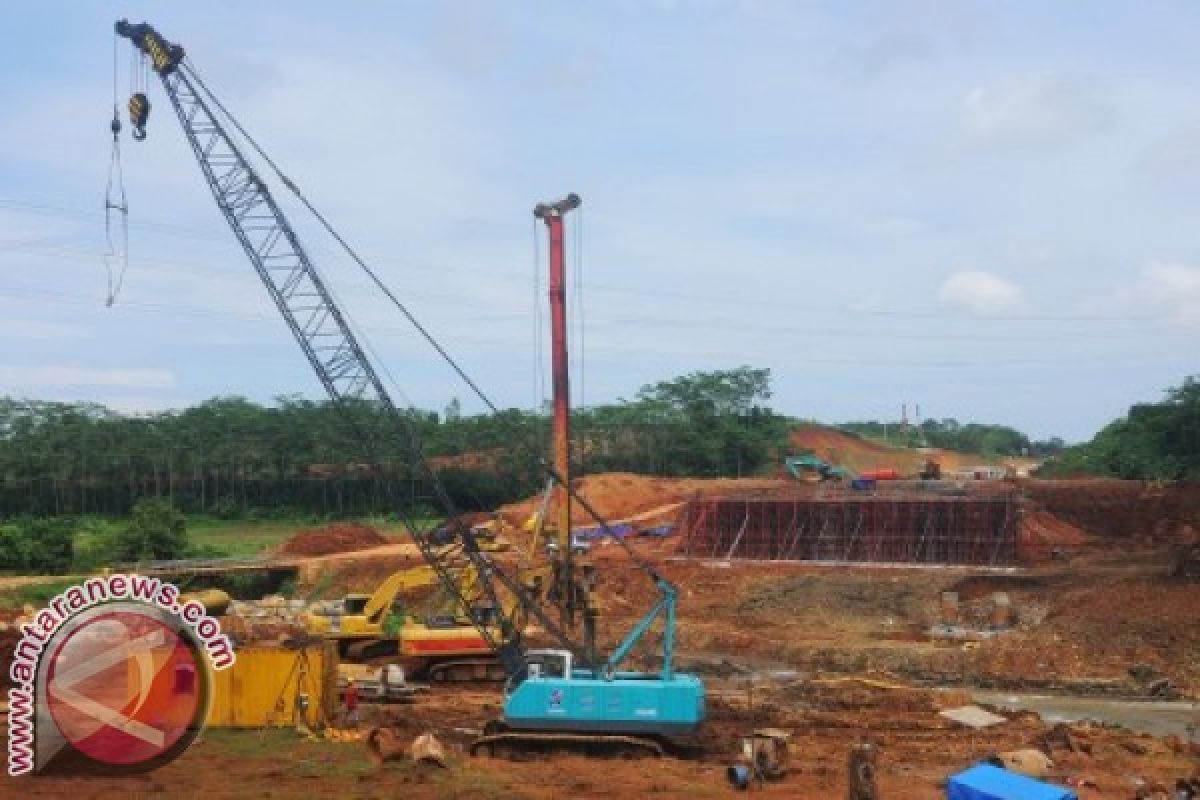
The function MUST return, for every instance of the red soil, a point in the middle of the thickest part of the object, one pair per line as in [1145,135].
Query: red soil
[341,537]
[859,455]
[617,495]
[1133,512]
[1040,533]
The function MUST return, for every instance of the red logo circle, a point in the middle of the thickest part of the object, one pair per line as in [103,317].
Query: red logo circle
[125,687]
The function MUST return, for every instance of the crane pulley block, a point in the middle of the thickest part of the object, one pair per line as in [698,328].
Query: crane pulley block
[139,111]
[164,56]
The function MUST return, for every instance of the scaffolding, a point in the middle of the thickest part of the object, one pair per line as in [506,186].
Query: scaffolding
[884,528]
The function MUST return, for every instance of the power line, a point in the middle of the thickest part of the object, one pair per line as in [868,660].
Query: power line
[636,348]
[729,325]
[664,295]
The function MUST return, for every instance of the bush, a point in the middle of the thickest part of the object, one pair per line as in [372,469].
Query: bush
[155,532]
[37,545]
[14,548]
[54,545]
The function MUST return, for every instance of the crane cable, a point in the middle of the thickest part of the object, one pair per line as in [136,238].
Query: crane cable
[637,560]
[115,200]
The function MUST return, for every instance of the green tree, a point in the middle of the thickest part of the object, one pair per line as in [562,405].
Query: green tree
[37,545]
[155,531]
[718,421]
[1153,441]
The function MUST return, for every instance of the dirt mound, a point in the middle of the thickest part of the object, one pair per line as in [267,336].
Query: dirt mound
[341,537]
[858,454]
[1041,533]
[619,495]
[1132,511]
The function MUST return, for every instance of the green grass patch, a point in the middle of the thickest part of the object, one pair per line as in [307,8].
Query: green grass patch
[240,538]
[246,538]
[35,594]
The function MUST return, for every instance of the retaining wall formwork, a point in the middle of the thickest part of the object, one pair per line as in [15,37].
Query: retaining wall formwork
[915,529]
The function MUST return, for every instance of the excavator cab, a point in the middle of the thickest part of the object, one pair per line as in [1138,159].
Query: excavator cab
[355,603]
[542,664]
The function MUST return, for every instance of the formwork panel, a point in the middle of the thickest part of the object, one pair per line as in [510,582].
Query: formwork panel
[918,529]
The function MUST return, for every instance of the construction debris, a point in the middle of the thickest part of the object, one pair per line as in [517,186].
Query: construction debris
[272,618]
[426,749]
[1027,761]
[973,717]
[384,744]
[766,751]
[861,769]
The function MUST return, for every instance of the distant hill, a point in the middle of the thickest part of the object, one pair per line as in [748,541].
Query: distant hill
[858,454]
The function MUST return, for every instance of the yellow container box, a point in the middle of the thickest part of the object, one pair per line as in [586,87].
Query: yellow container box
[271,686]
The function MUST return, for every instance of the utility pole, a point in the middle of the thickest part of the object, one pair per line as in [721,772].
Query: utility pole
[565,579]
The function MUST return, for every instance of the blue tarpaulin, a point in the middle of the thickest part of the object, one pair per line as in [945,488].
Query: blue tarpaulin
[985,782]
[597,533]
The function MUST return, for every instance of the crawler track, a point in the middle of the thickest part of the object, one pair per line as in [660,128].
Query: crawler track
[512,743]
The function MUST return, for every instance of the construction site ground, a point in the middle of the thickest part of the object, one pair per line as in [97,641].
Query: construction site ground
[832,654]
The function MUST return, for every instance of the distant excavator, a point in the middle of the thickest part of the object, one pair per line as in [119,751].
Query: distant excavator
[801,467]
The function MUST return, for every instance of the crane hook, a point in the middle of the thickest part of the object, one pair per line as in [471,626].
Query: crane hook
[139,111]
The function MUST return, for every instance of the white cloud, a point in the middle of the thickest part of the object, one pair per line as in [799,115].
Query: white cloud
[979,293]
[1172,290]
[1034,113]
[63,376]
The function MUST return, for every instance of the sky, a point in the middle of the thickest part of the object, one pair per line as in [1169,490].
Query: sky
[984,209]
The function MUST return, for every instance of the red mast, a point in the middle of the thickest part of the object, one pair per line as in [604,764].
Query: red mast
[552,215]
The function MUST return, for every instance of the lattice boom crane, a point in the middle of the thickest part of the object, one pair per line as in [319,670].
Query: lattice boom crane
[559,693]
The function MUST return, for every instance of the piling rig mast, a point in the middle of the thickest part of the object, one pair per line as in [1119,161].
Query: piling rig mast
[567,689]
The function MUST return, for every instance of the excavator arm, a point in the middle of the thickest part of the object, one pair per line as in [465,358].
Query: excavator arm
[403,580]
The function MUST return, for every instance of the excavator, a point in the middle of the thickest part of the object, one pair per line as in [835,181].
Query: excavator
[442,646]
[564,695]
[808,464]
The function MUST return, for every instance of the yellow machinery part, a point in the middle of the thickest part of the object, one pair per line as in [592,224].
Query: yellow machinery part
[265,685]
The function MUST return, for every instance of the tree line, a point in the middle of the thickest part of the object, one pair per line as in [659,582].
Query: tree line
[229,456]
[950,434]
[1153,441]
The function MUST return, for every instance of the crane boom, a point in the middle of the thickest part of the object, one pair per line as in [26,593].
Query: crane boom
[319,326]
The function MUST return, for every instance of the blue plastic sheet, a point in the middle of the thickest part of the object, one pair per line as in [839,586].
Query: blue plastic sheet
[985,782]
[597,533]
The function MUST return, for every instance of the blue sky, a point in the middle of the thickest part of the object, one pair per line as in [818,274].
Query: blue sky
[986,209]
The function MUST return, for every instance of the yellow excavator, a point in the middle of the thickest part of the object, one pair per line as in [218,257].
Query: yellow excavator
[441,646]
